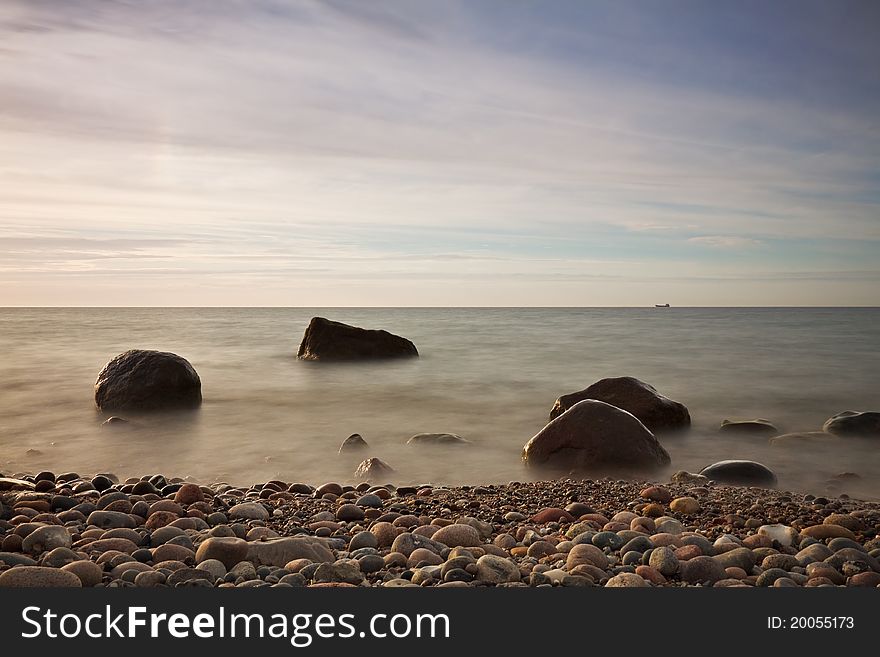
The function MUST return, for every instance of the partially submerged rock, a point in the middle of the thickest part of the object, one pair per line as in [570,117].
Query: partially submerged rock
[437,439]
[373,469]
[656,412]
[853,423]
[353,443]
[740,473]
[756,427]
[326,340]
[145,380]
[803,439]
[592,435]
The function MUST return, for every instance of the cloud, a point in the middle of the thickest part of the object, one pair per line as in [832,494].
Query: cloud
[725,242]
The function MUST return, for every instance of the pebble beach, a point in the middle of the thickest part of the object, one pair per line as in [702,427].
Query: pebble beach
[74,531]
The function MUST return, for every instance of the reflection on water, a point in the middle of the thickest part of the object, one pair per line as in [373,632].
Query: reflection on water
[490,375]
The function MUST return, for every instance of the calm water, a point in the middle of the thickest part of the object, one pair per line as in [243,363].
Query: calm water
[490,375]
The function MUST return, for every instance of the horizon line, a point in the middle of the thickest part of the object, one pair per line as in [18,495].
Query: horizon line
[48,307]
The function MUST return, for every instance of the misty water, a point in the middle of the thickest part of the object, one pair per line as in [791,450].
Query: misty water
[490,375]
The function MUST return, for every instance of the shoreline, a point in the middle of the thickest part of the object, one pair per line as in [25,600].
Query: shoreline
[565,532]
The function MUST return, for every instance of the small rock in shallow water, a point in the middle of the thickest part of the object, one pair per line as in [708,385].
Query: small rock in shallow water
[741,473]
[755,427]
[373,469]
[853,423]
[353,443]
[437,439]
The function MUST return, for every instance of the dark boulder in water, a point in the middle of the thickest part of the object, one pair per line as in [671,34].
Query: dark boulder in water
[437,439]
[756,427]
[353,443]
[144,380]
[656,412]
[740,473]
[373,469]
[326,340]
[592,435]
[853,423]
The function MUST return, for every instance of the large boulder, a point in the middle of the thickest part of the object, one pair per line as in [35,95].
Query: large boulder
[854,423]
[592,435]
[144,380]
[326,340]
[740,473]
[656,412]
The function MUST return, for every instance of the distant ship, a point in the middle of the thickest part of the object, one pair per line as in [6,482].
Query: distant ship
[661,305]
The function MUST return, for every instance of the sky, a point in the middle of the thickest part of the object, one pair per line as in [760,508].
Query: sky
[425,153]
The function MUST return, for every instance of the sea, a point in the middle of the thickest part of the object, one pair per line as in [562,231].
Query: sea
[490,375]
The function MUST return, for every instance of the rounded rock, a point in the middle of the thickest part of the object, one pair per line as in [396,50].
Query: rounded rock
[89,572]
[227,550]
[249,511]
[39,577]
[626,580]
[492,569]
[457,535]
[349,513]
[45,539]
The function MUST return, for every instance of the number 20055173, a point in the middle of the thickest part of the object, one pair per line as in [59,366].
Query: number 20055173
[811,623]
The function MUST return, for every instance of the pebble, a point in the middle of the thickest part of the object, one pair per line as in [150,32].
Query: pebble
[39,577]
[216,567]
[492,569]
[782,534]
[551,533]
[457,535]
[363,539]
[349,513]
[656,494]
[88,572]
[702,570]
[45,539]
[738,557]
[249,511]
[110,519]
[586,553]
[822,532]
[685,505]
[664,561]
[626,580]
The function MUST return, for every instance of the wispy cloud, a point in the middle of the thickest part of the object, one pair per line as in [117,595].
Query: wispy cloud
[725,242]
